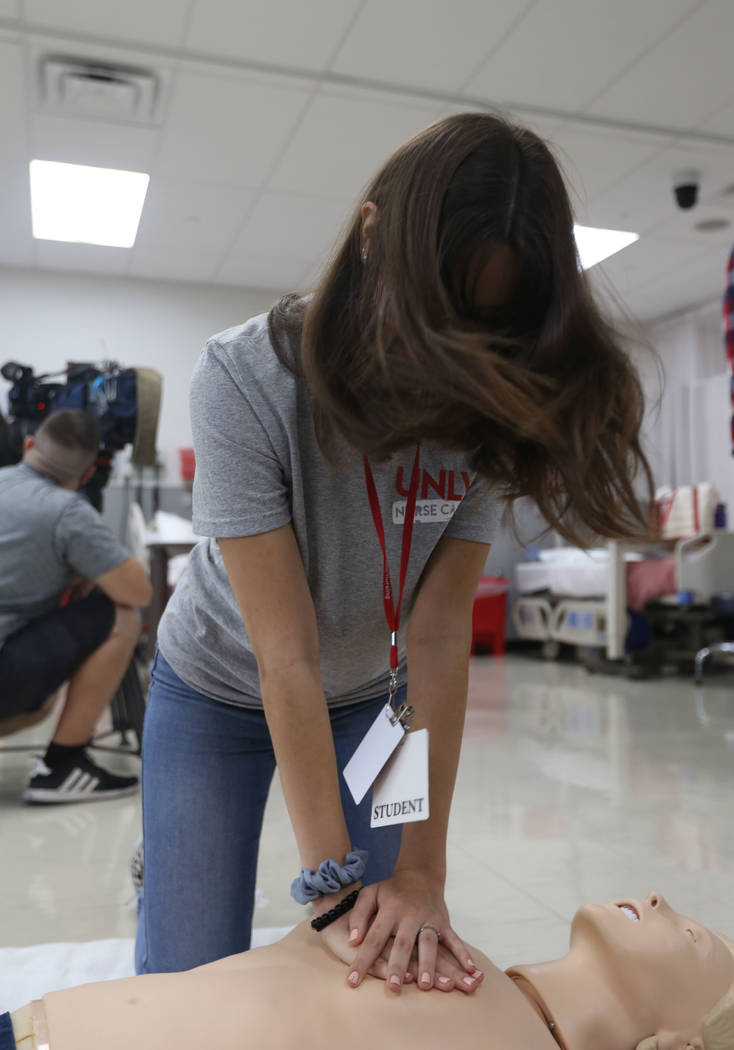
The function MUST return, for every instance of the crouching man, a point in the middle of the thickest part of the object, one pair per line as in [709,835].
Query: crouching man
[69,599]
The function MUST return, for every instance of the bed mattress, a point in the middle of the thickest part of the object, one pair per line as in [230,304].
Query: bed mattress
[567,572]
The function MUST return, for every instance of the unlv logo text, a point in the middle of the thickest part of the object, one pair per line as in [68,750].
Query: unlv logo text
[445,488]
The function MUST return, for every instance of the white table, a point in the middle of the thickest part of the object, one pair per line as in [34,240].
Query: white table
[164,541]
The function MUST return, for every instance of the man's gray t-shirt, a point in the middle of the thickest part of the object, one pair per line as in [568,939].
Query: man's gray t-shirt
[46,534]
[258,467]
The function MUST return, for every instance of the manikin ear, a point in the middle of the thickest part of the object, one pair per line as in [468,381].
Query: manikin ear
[28,443]
[691,1040]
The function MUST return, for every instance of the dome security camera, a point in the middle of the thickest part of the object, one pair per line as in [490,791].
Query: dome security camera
[685,187]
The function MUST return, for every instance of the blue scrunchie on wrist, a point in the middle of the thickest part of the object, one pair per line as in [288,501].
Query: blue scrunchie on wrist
[329,877]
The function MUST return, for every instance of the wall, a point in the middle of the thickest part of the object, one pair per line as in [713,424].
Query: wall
[49,318]
[687,424]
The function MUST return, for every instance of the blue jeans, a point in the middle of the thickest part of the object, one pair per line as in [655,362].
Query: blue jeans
[207,768]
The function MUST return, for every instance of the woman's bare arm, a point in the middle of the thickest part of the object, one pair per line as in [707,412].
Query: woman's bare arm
[267,576]
[438,643]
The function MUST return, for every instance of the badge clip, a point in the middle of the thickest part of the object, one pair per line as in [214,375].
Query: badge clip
[404,714]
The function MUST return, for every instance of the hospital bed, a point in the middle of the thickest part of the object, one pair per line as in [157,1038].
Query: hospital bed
[580,597]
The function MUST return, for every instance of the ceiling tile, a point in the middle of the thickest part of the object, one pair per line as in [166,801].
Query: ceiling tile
[190,217]
[593,161]
[628,207]
[286,226]
[16,240]
[276,275]
[684,79]
[547,128]
[166,262]
[425,43]
[133,21]
[13,141]
[226,130]
[646,261]
[722,121]
[683,225]
[343,139]
[82,258]
[565,51]
[692,284]
[286,34]
[215,214]
[93,142]
[644,200]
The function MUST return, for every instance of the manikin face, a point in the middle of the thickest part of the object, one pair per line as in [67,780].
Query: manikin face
[669,969]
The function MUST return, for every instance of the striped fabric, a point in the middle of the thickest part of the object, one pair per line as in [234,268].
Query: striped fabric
[79,782]
[728,311]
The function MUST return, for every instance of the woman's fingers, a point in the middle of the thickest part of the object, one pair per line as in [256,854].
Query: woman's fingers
[370,949]
[454,944]
[428,938]
[405,958]
[361,914]
[402,950]
[379,969]
[399,929]
[450,975]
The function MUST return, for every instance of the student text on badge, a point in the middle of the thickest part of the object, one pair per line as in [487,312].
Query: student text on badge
[398,809]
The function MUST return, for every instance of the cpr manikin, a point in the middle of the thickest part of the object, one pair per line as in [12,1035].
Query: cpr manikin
[637,974]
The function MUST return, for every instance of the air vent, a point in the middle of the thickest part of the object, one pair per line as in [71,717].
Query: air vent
[712,225]
[98,90]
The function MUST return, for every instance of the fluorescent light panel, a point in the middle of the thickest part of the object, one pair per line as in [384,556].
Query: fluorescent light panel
[74,202]
[86,205]
[596,244]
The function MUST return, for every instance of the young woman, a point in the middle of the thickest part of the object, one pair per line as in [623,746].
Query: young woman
[450,360]
[637,974]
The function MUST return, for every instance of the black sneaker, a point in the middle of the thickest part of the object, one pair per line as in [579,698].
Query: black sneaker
[136,865]
[77,781]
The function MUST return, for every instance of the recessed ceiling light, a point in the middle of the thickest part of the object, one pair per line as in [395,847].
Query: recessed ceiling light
[712,225]
[595,244]
[85,205]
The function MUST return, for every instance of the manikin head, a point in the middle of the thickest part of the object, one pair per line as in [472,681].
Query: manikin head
[64,447]
[638,974]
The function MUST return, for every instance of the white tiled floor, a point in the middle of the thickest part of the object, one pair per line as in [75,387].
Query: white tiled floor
[572,787]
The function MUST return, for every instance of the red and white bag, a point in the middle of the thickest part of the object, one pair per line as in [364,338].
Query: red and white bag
[686,511]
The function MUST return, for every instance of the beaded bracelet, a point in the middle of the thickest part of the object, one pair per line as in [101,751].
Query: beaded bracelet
[344,905]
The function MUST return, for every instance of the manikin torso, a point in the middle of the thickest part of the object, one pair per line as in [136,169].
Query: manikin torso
[289,996]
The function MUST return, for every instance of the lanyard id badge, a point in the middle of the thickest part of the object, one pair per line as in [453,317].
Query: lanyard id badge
[384,735]
[382,738]
[387,733]
[400,794]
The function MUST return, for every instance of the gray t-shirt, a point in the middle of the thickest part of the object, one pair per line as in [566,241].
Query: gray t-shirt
[258,467]
[46,534]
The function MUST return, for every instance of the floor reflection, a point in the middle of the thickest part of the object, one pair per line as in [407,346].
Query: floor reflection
[572,787]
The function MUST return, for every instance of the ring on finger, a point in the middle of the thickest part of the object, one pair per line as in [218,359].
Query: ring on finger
[427,926]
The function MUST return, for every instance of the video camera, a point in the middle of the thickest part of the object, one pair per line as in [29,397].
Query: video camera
[125,403]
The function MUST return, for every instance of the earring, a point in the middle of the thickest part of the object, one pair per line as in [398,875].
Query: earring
[364,255]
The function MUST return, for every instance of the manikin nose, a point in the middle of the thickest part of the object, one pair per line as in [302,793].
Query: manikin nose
[656,900]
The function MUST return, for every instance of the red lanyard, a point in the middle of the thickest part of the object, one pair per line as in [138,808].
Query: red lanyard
[392,613]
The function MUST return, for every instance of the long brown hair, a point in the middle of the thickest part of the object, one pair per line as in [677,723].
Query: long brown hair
[540,393]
